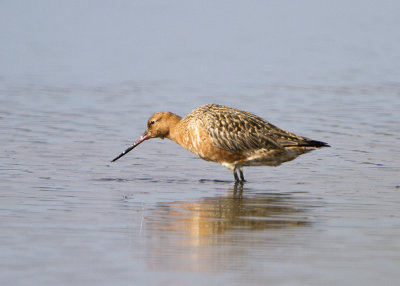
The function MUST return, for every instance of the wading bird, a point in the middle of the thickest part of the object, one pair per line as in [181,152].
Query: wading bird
[229,136]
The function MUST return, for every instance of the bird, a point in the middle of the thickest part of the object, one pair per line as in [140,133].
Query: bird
[228,136]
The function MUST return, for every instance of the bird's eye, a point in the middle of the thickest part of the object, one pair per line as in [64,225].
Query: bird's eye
[152,122]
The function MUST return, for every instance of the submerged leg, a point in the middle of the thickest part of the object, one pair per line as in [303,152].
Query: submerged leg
[238,190]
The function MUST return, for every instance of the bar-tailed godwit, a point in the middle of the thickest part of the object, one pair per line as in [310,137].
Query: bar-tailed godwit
[229,136]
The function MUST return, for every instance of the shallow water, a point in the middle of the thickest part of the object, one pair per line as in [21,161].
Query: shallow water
[161,216]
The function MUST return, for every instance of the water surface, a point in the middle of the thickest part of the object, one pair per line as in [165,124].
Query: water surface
[77,84]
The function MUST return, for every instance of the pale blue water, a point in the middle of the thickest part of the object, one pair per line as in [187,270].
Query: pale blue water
[78,81]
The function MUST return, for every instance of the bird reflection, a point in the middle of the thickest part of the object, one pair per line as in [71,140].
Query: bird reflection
[209,233]
[234,211]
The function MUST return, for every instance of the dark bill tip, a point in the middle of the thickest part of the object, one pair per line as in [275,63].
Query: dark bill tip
[140,140]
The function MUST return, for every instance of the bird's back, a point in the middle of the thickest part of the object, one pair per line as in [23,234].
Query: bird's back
[234,130]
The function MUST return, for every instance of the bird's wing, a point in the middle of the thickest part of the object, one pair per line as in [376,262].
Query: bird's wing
[235,130]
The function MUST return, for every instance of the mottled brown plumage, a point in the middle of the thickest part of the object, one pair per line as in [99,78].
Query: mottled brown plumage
[229,136]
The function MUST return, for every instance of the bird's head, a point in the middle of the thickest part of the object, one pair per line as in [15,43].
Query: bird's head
[158,126]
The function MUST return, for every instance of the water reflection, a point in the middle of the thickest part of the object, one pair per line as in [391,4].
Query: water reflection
[237,210]
[203,234]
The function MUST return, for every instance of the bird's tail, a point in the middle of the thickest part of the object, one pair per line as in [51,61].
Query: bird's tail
[312,143]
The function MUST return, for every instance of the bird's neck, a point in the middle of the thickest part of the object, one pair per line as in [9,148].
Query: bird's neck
[173,123]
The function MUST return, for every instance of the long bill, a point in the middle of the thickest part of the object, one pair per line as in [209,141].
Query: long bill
[137,142]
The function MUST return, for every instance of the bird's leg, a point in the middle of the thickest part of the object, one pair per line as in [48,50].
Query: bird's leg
[236,176]
[241,175]
[234,169]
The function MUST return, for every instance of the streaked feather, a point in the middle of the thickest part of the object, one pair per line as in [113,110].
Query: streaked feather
[236,130]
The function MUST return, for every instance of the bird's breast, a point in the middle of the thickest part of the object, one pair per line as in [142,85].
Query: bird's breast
[197,140]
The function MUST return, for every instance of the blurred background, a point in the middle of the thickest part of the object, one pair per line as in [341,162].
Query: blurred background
[188,43]
[78,80]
